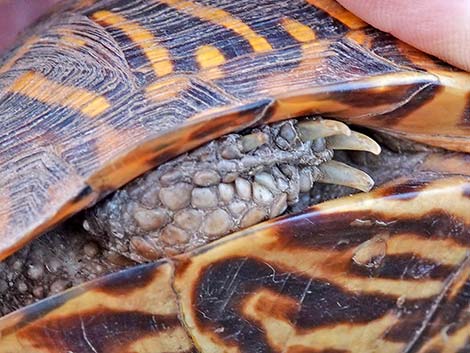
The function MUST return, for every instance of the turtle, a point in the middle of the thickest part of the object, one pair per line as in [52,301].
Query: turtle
[202,145]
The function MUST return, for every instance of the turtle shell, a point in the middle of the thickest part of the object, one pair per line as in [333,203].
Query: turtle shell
[100,92]
[385,271]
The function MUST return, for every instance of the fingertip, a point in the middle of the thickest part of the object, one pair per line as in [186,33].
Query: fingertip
[15,15]
[440,28]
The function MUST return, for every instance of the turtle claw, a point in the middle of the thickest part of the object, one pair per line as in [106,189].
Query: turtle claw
[315,129]
[333,172]
[356,141]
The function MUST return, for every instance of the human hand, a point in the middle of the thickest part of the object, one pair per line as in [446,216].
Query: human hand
[438,27]
[15,15]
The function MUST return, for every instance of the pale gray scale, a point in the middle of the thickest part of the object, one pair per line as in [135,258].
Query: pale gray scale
[224,186]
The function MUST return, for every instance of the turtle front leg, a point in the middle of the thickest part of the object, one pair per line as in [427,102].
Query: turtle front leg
[227,185]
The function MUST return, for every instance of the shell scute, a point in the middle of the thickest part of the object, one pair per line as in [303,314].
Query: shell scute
[95,318]
[368,269]
[388,270]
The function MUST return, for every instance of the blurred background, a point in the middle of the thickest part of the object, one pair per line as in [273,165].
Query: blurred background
[15,15]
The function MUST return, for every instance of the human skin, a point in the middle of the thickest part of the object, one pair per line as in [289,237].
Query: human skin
[438,27]
[15,15]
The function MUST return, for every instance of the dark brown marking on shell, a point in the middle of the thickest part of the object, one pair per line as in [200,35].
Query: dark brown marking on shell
[426,95]
[404,330]
[223,285]
[247,115]
[83,194]
[409,189]
[244,116]
[404,266]
[449,317]
[130,280]
[358,227]
[451,309]
[97,331]
[41,309]
[183,262]
[193,350]
[380,97]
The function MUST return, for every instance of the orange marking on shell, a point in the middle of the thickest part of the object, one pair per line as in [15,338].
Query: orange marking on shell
[71,39]
[338,12]
[209,56]
[298,30]
[158,56]
[19,54]
[175,338]
[36,86]
[222,18]
[361,38]
[168,88]
[83,4]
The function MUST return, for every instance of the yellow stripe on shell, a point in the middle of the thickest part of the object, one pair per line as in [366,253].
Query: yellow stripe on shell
[36,86]
[339,13]
[167,88]
[222,18]
[442,251]
[158,56]
[209,56]
[298,30]
[71,39]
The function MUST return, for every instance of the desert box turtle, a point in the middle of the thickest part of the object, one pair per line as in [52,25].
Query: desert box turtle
[207,151]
